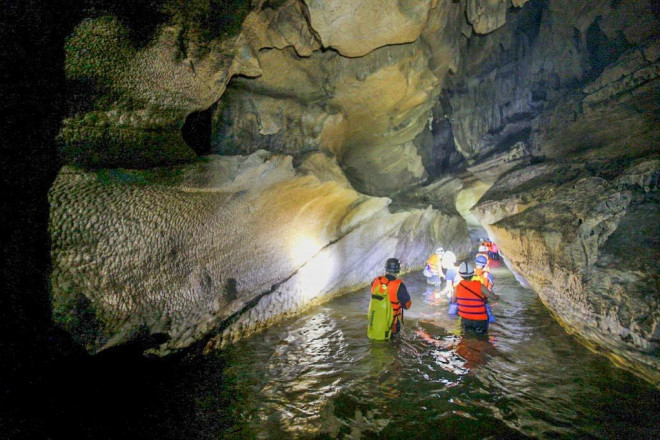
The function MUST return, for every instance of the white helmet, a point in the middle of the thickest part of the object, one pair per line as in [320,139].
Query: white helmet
[448,260]
[483,249]
[439,251]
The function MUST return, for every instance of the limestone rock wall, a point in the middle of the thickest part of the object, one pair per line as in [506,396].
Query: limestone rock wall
[557,79]
[584,235]
[128,102]
[224,246]
[367,98]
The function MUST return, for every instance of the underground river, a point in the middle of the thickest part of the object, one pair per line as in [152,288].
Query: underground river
[318,376]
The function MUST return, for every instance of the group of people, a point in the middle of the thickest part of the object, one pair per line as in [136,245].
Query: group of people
[468,287]
[489,248]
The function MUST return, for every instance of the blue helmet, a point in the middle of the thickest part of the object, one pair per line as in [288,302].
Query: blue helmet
[481,261]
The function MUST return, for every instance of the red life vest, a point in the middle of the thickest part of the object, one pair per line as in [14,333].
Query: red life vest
[393,290]
[471,302]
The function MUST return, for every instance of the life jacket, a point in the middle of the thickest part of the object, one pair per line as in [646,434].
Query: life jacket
[471,302]
[434,265]
[483,276]
[384,308]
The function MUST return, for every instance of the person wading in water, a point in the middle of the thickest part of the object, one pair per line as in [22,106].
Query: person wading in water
[389,297]
[472,297]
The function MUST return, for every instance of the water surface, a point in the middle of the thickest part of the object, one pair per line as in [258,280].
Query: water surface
[318,376]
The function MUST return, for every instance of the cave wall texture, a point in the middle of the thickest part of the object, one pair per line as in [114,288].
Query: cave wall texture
[350,124]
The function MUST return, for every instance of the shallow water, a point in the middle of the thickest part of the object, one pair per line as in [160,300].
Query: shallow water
[318,376]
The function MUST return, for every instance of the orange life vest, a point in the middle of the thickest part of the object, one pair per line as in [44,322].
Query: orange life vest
[393,291]
[481,275]
[471,302]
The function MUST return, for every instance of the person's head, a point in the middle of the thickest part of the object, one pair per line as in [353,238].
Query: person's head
[392,266]
[483,248]
[466,270]
[439,251]
[481,261]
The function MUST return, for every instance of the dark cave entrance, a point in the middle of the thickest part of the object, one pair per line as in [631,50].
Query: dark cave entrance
[196,131]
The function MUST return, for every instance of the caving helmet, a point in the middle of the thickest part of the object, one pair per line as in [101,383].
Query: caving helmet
[439,251]
[483,249]
[392,266]
[481,261]
[466,270]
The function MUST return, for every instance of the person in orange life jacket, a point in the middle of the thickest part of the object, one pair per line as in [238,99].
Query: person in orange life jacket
[482,272]
[471,297]
[399,296]
[483,250]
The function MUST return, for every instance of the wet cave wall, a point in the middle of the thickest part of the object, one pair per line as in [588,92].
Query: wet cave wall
[227,164]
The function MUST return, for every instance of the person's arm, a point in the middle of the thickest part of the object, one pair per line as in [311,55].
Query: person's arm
[404,297]
[488,293]
[455,283]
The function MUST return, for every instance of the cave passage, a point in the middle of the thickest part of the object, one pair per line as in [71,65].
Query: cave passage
[318,376]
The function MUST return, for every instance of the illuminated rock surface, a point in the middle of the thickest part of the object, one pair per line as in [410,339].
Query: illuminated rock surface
[231,244]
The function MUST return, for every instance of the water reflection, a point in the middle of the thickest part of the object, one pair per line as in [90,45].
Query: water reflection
[318,376]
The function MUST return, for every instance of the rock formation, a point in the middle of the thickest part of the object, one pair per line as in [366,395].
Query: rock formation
[223,246]
[425,102]
[583,235]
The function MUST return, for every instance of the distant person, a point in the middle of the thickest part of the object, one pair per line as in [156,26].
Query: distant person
[451,272]
[483,250]
[494,252]
[472,297]
[389,297]
[433,270]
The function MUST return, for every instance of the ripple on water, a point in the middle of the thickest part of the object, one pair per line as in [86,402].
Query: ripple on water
[319,375]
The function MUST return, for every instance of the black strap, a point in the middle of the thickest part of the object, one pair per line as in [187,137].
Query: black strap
[483,298]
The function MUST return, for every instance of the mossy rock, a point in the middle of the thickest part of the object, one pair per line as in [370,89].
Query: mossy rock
[104,145]
[98,49]
[73,312]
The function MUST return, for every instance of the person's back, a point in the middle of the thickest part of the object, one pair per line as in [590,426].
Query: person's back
[483,277]
[472,297]
[494,252]
[392,290]
[482,272]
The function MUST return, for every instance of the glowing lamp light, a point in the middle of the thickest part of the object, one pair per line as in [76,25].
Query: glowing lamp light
[304,248]
[316,267]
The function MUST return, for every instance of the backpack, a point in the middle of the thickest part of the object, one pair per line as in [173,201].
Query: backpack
[380,313]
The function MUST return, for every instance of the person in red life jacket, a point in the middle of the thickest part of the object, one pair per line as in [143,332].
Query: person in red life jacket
[471,297]
[399,296]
